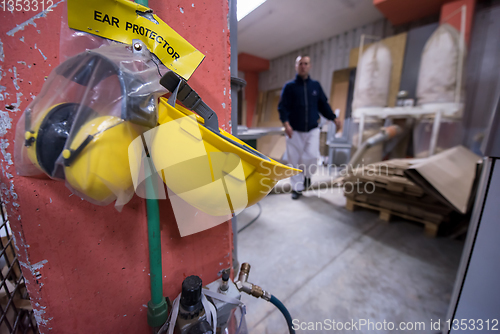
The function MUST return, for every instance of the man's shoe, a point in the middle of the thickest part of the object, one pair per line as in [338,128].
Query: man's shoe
[296,195]
[307,183]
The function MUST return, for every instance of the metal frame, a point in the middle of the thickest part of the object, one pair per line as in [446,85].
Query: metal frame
[333,143]
[403,112]
[13,318]
[471,235]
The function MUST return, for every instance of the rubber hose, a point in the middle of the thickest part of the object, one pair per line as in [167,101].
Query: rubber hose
[275,301]
[253,220]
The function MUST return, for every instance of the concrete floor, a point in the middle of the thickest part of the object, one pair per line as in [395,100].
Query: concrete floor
[324,262]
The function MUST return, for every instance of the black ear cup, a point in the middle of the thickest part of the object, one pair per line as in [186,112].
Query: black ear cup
[53,133]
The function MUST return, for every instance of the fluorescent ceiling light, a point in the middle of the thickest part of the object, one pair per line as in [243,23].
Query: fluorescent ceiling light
[245,7]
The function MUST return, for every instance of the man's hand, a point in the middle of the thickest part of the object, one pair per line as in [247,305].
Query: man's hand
[338,123]
[288,129]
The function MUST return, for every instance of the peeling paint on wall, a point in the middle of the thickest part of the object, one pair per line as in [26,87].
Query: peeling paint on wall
[5,123]
[7,157]
[2,55]
[39,310]
[13,194]
[18,102]
[45,58]
[34,224]
[38,315]
[31,21]
[14,80]
[38,266]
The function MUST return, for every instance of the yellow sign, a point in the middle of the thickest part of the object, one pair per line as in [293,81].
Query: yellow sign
[123,21]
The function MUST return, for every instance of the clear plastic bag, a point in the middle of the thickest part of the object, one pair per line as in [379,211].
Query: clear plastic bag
[441,68]
[73,42]
[373,77]
[92,106]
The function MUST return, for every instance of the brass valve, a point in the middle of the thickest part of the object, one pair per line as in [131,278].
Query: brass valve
[243,285]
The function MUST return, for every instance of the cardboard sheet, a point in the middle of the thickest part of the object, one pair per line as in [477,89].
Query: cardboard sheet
[449,176]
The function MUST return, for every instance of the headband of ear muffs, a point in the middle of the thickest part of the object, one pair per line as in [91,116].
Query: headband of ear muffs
[136,108]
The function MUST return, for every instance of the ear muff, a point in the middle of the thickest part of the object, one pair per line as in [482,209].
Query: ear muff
[95,159]
[96,162]
[73,142]
[46,137]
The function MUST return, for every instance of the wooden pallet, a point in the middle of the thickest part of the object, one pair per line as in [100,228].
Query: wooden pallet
[421,208]
[387,175]
[430,229]
[392,183]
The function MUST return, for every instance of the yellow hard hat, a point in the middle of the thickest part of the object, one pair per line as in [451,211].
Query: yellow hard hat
[214,172]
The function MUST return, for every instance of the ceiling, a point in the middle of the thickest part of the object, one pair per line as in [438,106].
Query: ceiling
[278,27]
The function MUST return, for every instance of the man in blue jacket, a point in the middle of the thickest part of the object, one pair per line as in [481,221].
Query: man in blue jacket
[302,99]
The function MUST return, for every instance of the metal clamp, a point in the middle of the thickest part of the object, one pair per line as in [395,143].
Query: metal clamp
[190,99]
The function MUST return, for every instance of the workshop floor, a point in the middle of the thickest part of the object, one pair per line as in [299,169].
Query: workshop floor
[324,262]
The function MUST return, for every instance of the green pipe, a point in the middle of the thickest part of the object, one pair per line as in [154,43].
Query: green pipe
[154,238]
[157,306]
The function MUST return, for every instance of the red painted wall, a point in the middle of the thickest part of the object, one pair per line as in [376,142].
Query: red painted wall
[251,65]
[86,266]
[248,62]
[404,11]
[451,14]
[251,94]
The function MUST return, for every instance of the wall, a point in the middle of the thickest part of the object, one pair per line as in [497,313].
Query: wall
[399,12]
[451,13]
[415,44]
[251,66]
[482,62]
[86,267]
[482,73]
[327,56]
